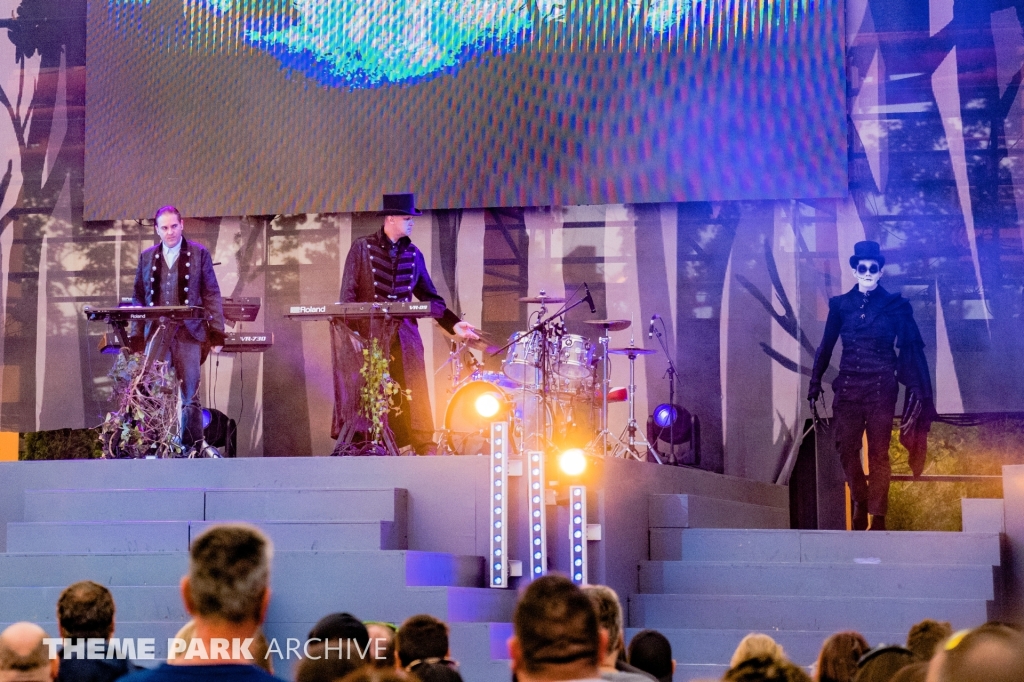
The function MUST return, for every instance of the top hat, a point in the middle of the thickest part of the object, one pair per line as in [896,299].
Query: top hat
[400,204]
[867,251]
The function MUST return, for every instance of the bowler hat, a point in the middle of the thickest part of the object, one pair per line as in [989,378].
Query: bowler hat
[867,251]
[400,204]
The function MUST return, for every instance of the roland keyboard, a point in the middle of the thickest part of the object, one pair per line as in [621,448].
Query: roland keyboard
[247,342]
[326,311]
[130,313]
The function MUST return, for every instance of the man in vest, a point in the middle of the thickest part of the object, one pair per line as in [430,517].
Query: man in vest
[387,266]
[180,272]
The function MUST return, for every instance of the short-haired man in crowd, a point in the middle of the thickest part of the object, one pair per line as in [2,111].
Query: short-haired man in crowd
[555,633]
[85,610]
[226,591]
[990,653]
[421,639]
[609,618]
[23,655]
[651,652]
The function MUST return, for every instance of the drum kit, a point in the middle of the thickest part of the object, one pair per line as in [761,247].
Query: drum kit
[550,388]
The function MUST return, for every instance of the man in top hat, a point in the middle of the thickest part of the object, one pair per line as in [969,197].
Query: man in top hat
[873,323]
[177,271]
[387,266]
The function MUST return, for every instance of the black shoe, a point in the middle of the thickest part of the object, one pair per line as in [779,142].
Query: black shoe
[877,522]
[860,516]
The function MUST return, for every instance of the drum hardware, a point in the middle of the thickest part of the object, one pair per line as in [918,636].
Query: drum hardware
[627,447]
[535,361]
[607,326]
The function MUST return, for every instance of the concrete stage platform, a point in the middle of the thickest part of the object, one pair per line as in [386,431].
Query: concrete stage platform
[703,557]
[383,538]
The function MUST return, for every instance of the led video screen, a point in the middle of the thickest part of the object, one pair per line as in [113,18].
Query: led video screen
[244,107]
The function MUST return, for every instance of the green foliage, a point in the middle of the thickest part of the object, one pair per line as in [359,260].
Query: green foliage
[61,444]
[970,450]
[380,392]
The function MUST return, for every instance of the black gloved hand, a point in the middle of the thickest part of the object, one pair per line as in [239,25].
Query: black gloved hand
[813,393]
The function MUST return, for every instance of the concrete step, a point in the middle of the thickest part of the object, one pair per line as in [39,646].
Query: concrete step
[698,511]
[174,536]
[769,613]
[481,650]
[328,504]
[357,569]
[796,546]
[197,504]
[291,602]
[698,672]
[702,646]
[817,579]
[982,515]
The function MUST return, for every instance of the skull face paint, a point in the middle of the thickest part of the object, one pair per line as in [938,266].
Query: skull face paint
[867,272]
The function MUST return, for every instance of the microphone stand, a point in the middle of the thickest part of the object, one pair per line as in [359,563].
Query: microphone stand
[672,374]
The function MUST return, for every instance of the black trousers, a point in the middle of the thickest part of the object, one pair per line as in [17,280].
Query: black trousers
[852,419]
[414,423]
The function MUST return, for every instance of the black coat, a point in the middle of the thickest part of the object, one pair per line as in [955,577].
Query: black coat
[197,286]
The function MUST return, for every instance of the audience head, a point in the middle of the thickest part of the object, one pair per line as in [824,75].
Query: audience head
[609,616]
[343,626]
[229,575]
[421,639]
[837,661]
[436,672]
[382,650]
[329,662]
[756,645]
[990,653]
[371,674]
[86,610]
[766,669]
[926,635]
[915,672]
[882,662]
[556,636]
[23,656]
[651,652]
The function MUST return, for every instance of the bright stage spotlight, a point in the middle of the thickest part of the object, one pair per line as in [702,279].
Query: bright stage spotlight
[674,425]
[572,462]
[487,405]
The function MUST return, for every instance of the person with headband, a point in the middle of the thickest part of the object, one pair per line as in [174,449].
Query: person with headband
[873,324]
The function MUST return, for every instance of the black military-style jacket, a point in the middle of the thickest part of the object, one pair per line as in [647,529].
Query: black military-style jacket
[872,326]
[197,286]
[378,269]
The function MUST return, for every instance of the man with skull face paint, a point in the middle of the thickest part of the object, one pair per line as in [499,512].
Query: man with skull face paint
[872,323]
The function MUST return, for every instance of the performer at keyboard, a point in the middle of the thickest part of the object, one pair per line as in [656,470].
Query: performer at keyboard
[387,266]
[180,272]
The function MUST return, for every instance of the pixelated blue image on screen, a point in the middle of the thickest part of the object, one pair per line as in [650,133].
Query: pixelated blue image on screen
[322,105]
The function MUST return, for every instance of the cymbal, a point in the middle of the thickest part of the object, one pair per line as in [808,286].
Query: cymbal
[542,299]
[612,325]
[630,350]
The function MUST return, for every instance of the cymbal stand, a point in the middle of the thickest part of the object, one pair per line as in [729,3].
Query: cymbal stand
[627,448]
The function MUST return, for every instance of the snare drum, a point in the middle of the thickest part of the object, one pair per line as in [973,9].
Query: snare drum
[522,364]
[575,356]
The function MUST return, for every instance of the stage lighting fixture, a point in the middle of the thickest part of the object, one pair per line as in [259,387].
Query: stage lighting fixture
[572,462]
[499,505]
[578,534]
[220,431]
[535,506]
[674,425]
[487,405]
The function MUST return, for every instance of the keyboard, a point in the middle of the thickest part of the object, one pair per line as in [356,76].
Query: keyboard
[247,342]
[130,313]
[325,311]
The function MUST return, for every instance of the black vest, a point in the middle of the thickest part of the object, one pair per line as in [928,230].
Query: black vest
[393,269]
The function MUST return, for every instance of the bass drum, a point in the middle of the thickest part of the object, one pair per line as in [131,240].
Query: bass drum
[486,397]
